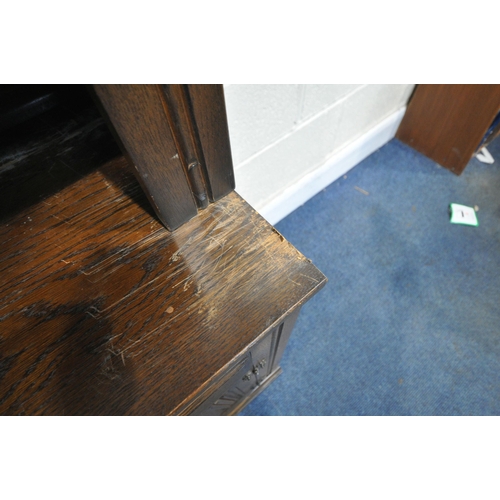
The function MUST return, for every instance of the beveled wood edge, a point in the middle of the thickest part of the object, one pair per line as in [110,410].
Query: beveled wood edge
[271,378]
[217,381]
[202,390]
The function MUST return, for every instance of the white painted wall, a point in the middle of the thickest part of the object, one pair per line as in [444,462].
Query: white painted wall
[285,135]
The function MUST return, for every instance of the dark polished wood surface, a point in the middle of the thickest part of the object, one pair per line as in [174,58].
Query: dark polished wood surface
[105,312]
[447,122]
[208,106]
[139,119]
[177,139]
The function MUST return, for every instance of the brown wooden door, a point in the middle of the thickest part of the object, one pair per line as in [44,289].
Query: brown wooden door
[447,122]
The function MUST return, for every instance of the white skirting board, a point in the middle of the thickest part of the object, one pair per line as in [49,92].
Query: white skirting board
[336,166]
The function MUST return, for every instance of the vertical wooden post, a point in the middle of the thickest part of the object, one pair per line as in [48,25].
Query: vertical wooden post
[177,138]
[209,115]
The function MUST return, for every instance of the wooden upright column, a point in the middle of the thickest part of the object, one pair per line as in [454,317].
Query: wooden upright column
[177,138]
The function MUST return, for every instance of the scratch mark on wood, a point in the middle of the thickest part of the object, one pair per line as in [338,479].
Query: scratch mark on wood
[309,278]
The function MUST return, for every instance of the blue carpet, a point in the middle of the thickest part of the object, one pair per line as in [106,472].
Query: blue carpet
[409,322]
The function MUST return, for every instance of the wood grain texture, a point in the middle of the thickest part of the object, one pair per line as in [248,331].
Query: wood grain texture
[105,312]
[177,138]
[137,113]
[209,114]
[247,376]
[447,122]
[40,157]
[183,129]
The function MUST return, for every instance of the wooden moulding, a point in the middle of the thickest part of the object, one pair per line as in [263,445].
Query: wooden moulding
[105,312]
[177,139]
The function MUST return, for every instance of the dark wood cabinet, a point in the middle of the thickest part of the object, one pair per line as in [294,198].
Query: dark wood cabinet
[104,310]
[249,374]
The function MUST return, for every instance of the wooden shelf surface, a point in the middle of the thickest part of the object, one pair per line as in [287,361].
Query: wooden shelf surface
[105,312]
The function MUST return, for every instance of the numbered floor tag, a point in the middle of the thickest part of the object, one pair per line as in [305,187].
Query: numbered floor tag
[460,214]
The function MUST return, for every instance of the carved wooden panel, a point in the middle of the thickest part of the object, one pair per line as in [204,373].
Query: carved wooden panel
[252,374]
[223,394]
